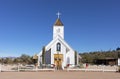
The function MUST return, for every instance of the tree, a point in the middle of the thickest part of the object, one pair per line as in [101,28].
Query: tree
[0,60]
[90,57]
[26,59]
[118,49]
[118,52]
[75,57]
[43,55]
[8,61]
[17,60]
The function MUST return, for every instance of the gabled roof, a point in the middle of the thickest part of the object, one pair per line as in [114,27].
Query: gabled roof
[58,22]
[60,39]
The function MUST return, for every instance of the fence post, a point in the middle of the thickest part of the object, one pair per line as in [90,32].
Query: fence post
[85,69]
[103,68]
[36,68]
[0,67]
[18,67]
[54,69]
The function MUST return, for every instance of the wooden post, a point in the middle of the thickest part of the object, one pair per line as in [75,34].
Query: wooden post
[36,67]
[0,68]
[103,68]
[18,67]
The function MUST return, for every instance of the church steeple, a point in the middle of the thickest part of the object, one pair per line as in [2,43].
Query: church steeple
[58,28]
[58,21]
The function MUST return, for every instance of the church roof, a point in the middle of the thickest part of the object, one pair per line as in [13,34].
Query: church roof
[58,38]
[58,22]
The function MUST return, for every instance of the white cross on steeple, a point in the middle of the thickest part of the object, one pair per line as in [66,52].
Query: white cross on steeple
[58,14]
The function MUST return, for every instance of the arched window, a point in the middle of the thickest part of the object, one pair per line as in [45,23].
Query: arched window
[58,47]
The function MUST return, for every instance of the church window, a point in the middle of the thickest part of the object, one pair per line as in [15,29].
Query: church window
[58,47]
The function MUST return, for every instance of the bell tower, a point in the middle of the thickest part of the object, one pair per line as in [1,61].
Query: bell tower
[58,28]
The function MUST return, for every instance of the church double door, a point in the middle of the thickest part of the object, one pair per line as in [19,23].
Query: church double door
[58,58]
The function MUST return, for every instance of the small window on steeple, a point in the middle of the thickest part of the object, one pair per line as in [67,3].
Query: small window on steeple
[58,30]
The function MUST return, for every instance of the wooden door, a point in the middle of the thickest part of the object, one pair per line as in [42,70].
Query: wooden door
[58,58]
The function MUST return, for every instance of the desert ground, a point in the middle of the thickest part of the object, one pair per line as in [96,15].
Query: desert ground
[59,75]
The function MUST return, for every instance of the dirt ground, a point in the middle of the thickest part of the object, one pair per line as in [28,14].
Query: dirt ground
[59,75]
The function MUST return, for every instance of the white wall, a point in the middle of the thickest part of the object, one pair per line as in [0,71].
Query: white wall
[71,55]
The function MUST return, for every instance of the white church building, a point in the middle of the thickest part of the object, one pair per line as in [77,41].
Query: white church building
[58,51]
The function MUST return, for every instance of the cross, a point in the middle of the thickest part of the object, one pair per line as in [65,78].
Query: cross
[58,14]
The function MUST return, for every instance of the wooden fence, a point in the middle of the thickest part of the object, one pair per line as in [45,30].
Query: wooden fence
[18,68]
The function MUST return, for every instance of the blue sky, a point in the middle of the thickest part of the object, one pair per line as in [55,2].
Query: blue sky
[90,25]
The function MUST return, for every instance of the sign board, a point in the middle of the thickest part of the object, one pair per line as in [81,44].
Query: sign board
[118,61]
